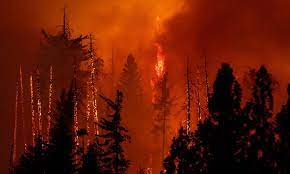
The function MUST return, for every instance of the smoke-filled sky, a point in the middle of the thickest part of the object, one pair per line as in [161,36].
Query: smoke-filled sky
[245,33]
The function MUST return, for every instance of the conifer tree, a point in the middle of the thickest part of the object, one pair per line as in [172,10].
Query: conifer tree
[114,135]
[33,160]
[92,160]
[130,85]
[62,51]
[162,103]
[259,138]
[224,110]
[180,159]
[283,130]
[62,145]
[130,80]
[134,108]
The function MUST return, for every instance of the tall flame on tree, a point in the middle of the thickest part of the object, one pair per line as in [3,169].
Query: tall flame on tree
[75,107]
[93,88]
[50,91]
[22,104]
[32,108]
[161,99]
[188,98]
[38,98]
[14,144]
[88,109]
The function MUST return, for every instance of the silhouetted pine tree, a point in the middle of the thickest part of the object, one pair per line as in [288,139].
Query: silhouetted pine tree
[185,154]
[224,110]
[130,85]
[114,135]
[283,130]
[34,159]
[178,153]
[62,51]
[92,160]
[62,145]
[259,139]
[130,80]
[134,108]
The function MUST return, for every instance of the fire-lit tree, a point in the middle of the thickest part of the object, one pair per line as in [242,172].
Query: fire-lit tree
[114,135]
[135,109]
[224,111]
[34,159]
[92,160]
[259,140]
[61,51]
[162,101]
[130,85]
[62,143]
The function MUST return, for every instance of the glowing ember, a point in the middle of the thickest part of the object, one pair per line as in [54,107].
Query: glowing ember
[32,107]
[49,100]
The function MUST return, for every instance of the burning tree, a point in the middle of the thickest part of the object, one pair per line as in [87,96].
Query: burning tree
[161,97]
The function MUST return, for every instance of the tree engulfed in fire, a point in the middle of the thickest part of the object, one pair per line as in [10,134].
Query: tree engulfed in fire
[161,100]
[160,65]
[160,71]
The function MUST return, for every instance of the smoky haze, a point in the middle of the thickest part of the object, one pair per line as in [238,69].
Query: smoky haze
[245,33]
[242,32]
[126,25]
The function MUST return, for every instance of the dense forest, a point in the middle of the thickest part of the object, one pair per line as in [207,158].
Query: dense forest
[231,139]
[97,123]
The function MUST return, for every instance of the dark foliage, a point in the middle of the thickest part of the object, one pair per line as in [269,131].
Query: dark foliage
[34,160]
[62,145]
[114,135]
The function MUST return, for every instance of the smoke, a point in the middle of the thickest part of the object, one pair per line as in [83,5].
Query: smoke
[242,32]
[128,26]
[245,33]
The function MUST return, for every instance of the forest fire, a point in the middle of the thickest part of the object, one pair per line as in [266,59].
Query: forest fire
[160,64]
[141,96]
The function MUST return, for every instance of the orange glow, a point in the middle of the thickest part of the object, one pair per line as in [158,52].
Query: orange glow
[160,65]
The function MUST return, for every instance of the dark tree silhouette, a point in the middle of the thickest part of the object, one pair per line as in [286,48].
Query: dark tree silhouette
[130,80]
[224,110]
[259,140]
[130,85]
[92,160]
[62,145]
[114,135]
[34,159]
[135,109]
[183,156]
[62,51]
[283,131]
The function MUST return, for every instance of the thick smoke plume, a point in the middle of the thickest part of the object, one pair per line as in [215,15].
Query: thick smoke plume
[242,32]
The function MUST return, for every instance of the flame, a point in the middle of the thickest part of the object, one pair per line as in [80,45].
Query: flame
[160,70]
[38,101]
[49,100]
[32,107]
[160,65]
[22,104]
[15,125]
